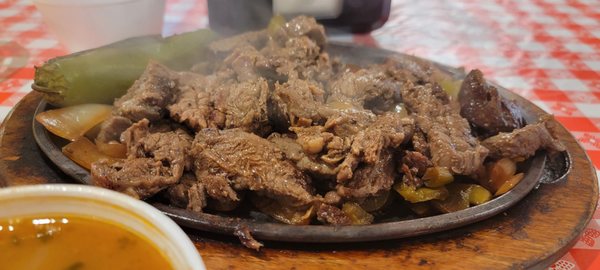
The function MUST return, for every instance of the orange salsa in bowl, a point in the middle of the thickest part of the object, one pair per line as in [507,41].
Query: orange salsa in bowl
[74,243]
[77,227]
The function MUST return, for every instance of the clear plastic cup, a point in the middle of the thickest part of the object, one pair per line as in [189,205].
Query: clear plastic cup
[86,24]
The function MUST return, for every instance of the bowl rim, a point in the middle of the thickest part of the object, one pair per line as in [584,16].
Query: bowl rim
[134,208]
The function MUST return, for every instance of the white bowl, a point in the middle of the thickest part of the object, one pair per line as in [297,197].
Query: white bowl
[86,24]
[108,205]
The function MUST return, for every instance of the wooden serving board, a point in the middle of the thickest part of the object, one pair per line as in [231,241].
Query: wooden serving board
[532,234]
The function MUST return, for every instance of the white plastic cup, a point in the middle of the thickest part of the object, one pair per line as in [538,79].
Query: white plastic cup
[86,24]
[108,205]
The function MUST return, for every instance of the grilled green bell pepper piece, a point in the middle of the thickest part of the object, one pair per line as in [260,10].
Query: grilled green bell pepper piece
[100,75]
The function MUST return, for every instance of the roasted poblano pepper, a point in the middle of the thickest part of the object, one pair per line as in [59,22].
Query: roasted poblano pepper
[100,75]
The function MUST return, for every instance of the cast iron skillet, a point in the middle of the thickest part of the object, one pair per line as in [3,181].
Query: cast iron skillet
[539,169]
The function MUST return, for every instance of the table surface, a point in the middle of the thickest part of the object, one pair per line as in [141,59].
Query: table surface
[545,50]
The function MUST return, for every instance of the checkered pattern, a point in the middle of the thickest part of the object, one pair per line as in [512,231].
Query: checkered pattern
[546,50]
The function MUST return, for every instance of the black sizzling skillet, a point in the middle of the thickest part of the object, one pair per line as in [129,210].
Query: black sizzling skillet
[539,169]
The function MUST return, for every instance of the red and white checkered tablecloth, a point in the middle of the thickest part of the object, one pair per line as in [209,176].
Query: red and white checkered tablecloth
[546,50]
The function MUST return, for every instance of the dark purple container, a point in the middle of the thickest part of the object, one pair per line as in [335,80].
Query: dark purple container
[235,16]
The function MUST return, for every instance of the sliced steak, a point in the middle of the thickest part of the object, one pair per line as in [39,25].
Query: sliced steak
[321,70]
[247,63]
[524,142]
[316,140]
[410,177]
[298,102]
[485,109]
[369,88]
[419,142]
[237,160]
[293,49]
[218,188]
[330,214]
[192,106]
[301,26]
[149,95]
[296,51]
[389,130]
[313,139]
[337,149]
[409,68]
[188,193]
[416,160]
[139,177]
[448,134]
[170,147]
[154,161]
[306,163]
[111,128]
[297,58]
[244,105]
[370,179]
[345,120]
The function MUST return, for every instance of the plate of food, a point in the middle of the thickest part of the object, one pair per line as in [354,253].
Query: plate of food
[281,135]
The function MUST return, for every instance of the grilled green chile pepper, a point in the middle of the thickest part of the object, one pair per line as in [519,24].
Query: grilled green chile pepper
[100,75]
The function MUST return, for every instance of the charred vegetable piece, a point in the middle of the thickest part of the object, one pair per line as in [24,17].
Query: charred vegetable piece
[422,208]
[358,215]
[509,184]
[461,196]
[458,199]
[100,75]
[422,194]
[73,122]
[450,85]
[113,149]
[437,177]
[373,204]
[479,195]
[285,214]
[500,171]
[92,134]
[83,152]
[275,24]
